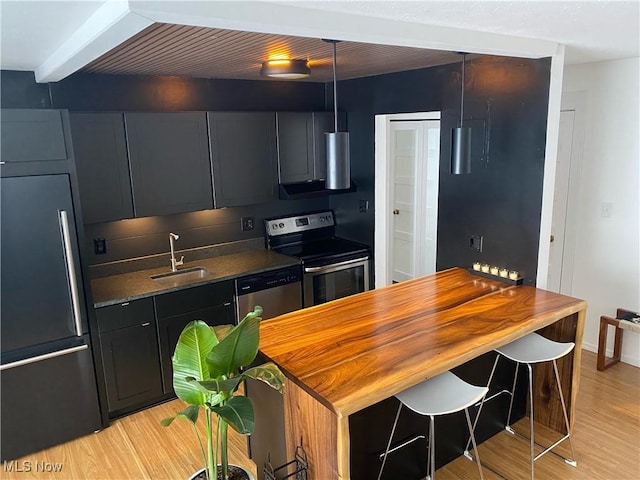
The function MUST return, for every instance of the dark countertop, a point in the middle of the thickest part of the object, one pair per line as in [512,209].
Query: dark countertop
[116,289]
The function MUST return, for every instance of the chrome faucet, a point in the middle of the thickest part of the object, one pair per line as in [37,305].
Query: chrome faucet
[174,263]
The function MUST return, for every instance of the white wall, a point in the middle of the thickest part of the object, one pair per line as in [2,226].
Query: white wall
[607,258]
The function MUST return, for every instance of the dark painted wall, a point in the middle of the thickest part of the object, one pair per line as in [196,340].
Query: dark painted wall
[20,90]
[97,92]
[147,236]
[506,102]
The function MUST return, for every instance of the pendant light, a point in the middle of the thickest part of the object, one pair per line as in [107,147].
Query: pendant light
[461,137]
[338,163]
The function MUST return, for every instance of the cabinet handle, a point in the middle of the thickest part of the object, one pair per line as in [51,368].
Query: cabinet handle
[71,270]
[145,324]
[227,304]
[124,304]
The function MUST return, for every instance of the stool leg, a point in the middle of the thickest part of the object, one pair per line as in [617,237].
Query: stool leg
[431,451]
[473,442]
[393,429]
[513,393]
[571,461]
[532,441]
[475,422]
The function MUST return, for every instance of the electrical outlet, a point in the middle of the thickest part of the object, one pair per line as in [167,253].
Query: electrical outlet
[99,246]
[475,243]
[247,223]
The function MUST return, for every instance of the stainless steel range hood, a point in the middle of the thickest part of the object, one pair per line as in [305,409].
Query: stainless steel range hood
[315,188]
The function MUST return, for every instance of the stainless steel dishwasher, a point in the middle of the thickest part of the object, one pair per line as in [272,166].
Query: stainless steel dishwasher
[277,292]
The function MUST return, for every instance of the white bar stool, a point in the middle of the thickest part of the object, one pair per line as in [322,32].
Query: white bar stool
[528,350]
[436,396]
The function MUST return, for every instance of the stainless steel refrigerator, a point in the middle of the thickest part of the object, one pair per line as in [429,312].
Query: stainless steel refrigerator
[48,386]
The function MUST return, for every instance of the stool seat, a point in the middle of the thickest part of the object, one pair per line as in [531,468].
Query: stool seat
[441,395]
[437,396]
[534,348]
[529,350]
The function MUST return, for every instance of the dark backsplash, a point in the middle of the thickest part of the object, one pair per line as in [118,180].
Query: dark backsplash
[147,236]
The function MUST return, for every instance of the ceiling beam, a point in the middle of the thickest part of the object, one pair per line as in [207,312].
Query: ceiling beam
[108,27]
[285,19]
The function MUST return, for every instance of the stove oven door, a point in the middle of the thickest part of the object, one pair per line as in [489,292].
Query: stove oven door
[324,283]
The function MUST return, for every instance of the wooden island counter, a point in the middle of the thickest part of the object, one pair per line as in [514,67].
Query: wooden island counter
[349,354]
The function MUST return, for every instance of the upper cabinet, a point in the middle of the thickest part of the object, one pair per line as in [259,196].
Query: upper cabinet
[32,135]
[295,147]
[169,162]
[145,164]
[103,166]
[301,144]
[243,157]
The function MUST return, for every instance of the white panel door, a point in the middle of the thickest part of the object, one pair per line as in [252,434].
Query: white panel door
[560,201]
[404,149]
[415,159]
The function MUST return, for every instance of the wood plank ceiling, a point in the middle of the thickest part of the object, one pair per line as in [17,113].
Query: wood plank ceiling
[181,50]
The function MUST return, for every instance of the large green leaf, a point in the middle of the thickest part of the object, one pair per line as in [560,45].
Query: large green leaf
[237,412]
[227,386]
[189,360]
[237,349]
[268,373]
[190,413]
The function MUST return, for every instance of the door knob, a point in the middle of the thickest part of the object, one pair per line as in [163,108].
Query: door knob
[396,211]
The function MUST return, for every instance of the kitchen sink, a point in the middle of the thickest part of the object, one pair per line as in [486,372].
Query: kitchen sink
[186,275]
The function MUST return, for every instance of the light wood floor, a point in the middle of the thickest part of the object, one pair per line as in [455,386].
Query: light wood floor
[606,439]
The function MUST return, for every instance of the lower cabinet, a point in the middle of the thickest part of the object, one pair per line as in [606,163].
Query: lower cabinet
[138,339]
[211,303]
[129,347]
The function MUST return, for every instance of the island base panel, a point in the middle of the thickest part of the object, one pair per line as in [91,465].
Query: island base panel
[324,436]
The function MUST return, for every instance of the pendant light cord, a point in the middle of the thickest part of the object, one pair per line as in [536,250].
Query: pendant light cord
[464,57]
[335,91]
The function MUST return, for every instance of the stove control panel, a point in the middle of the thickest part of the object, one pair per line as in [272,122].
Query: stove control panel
[299,223]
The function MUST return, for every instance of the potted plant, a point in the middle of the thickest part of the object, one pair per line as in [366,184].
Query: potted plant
[208,366]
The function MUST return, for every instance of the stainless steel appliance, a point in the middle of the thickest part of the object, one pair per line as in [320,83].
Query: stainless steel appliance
[48,385]
[332,267]
[277,292]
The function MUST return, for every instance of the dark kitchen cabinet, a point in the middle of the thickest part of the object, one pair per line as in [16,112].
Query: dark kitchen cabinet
[169,158]
[243,157]
[102,164]
[211,303]
[32,135]
[301,144]
[129,347]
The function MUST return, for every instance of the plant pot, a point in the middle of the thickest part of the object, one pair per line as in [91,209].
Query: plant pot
[236,472]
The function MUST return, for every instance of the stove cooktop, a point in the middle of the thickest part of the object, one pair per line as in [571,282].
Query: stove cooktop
[328,248]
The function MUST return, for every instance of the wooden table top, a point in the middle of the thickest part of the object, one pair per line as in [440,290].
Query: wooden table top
[359,350]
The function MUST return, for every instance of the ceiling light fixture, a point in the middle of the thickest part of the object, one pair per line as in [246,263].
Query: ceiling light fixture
[461,137]
[285,69]
[338,162]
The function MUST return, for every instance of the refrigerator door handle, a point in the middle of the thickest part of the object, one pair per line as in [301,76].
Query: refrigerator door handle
[71,270]
[45,356]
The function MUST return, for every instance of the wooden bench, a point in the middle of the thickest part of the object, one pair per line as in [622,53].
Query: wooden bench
[621,323]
